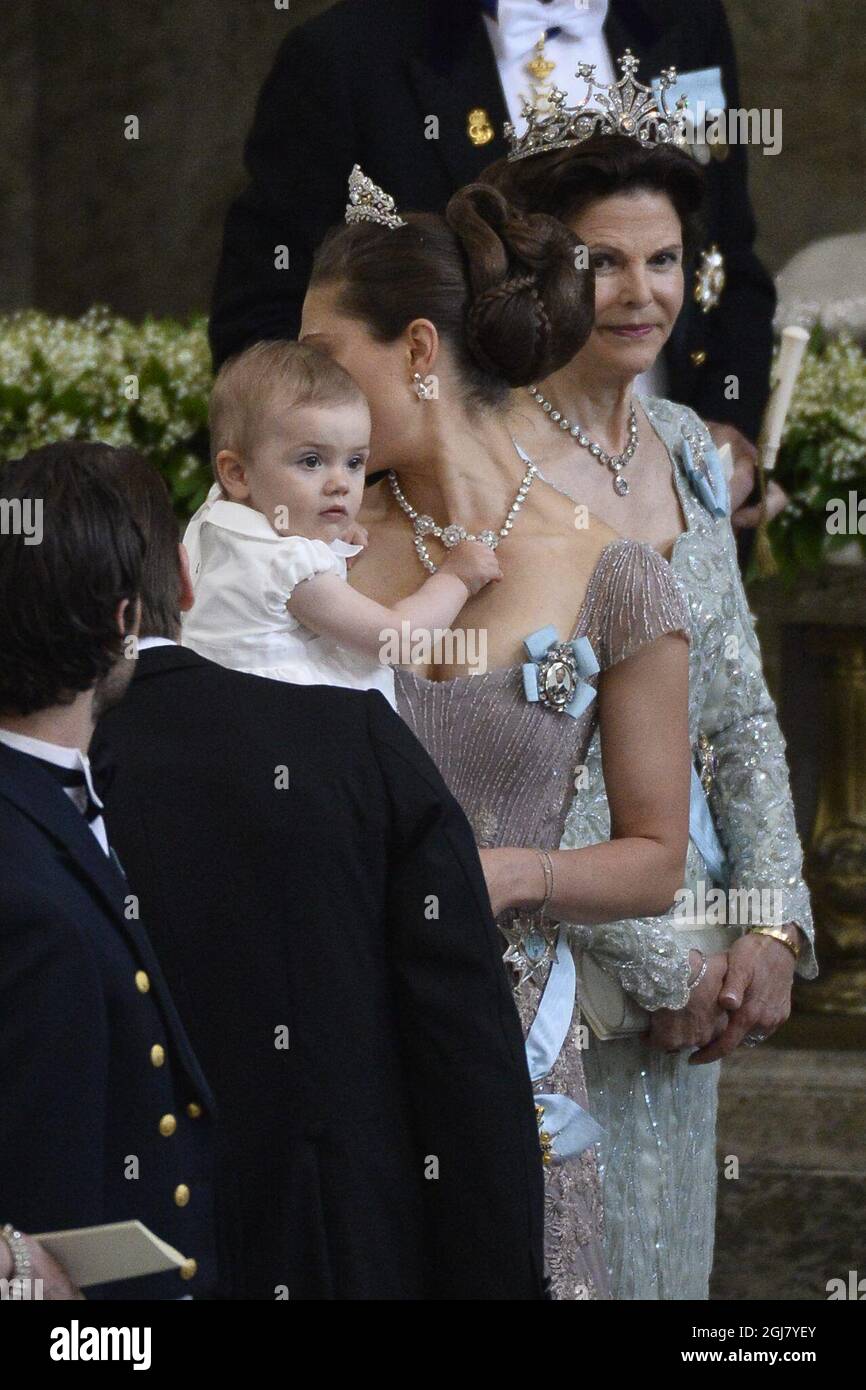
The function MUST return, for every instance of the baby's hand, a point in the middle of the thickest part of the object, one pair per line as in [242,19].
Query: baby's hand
[473,562]
[354,535]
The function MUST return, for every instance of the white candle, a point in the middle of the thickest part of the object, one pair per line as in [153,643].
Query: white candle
[791,349]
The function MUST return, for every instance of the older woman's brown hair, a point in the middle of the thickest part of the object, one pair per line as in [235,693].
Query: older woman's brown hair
[561,183]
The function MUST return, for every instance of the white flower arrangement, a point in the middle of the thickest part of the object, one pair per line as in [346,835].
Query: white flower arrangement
[822,459]
[102,377]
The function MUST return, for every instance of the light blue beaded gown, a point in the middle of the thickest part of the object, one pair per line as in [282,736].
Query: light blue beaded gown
[657,1158]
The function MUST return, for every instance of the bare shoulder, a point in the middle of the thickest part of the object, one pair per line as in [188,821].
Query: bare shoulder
[555,514]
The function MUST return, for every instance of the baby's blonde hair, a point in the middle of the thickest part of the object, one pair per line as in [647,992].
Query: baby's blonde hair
[279,371]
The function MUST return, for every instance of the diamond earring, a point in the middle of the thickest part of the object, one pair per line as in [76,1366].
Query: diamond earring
[420,387]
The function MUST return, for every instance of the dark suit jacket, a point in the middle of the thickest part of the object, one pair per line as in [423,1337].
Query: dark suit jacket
[390,1150]
[80,1098]
[355,85]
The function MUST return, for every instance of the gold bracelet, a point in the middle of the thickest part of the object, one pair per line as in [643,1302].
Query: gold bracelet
[547,866]
[779,934]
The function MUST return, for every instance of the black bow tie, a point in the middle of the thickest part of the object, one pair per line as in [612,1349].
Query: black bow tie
[71,777]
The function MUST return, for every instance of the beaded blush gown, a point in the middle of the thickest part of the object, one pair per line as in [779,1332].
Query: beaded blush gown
[511,763]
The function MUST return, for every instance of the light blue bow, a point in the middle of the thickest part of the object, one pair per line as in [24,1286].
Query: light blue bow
[538,648]
[565,1125]
[712,491]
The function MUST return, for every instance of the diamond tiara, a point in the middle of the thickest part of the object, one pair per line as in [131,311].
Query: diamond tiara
[626,107]
[369,203]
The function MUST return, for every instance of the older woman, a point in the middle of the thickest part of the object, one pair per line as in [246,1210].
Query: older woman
[434,318]
[647,467]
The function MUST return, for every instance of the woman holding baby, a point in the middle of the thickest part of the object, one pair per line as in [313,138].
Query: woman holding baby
[606,615]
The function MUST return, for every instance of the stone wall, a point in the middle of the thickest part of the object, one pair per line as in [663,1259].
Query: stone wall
[86,215]
[133,223]
[807,57]
[18,179]
[791,1163]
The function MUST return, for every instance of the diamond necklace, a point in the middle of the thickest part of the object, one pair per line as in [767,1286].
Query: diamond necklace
[452,535]
[615,462]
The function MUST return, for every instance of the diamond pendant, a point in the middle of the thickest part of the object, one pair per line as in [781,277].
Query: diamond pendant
[454,535]
[616,462]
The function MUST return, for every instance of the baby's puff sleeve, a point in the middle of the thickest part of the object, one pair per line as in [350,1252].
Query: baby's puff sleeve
[295,559]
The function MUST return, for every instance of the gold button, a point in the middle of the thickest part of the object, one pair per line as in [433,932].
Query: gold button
[157,1054]
[698,357]
[142,981]
[193,1110]
[167,1125]
[189,1269]
[181,1195]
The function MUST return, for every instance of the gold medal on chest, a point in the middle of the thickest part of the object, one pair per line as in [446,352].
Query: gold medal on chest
[478,126]
[540,67]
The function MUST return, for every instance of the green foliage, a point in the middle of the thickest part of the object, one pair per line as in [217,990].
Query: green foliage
[101,377]
[823,452]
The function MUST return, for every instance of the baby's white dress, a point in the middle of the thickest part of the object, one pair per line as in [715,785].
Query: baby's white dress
[243,572]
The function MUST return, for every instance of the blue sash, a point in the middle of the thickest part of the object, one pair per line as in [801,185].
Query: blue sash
[570,1128]
[703,834]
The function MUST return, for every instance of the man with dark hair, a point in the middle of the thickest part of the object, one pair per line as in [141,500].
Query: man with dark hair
[105,1115]
[317,901]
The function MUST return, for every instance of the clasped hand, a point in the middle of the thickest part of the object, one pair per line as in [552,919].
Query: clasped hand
[744,992]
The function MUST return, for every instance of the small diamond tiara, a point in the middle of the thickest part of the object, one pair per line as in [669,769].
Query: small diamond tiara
[626,107]
[368,203]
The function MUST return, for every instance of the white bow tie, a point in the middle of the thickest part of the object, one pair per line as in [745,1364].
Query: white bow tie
[521,23]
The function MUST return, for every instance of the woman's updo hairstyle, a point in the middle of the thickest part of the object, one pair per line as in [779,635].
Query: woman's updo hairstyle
[504,289]
[561,183]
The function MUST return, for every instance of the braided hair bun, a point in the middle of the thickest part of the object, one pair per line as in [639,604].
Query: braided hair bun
[531,306]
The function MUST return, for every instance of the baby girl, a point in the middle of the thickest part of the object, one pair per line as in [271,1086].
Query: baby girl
[290,436]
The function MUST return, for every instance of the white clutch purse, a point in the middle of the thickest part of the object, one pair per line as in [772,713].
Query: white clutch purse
[609,1011]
